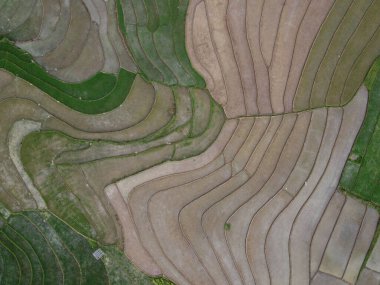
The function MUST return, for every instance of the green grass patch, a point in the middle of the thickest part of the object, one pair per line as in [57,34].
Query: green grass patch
[37,153]
[155,34]
[101,93]
[361,175]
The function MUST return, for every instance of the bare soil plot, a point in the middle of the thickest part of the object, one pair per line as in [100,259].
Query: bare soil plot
[235,227]
[273,50]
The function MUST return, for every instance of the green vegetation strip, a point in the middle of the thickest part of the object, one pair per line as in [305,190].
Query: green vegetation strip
[361,175]
[100,93]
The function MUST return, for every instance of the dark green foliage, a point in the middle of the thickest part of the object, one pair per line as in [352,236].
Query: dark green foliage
[100,93]
[361,175]
[40,246]
[92,271]
[52,269]
[120,18]
[155,34]
[69,264]
[12,274]
[37,151]
[22,258]
[36,266]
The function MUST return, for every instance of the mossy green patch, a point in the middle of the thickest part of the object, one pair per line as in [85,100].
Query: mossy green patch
[22,259]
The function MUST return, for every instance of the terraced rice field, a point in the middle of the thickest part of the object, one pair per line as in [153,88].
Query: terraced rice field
[189,142]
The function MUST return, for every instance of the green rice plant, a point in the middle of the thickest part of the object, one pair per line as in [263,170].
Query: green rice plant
[101,93]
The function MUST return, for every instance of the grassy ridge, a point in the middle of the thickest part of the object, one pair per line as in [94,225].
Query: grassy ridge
[361,175]
[100,93]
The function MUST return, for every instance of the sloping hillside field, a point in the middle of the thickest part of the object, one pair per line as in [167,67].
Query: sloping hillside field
[189,142]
